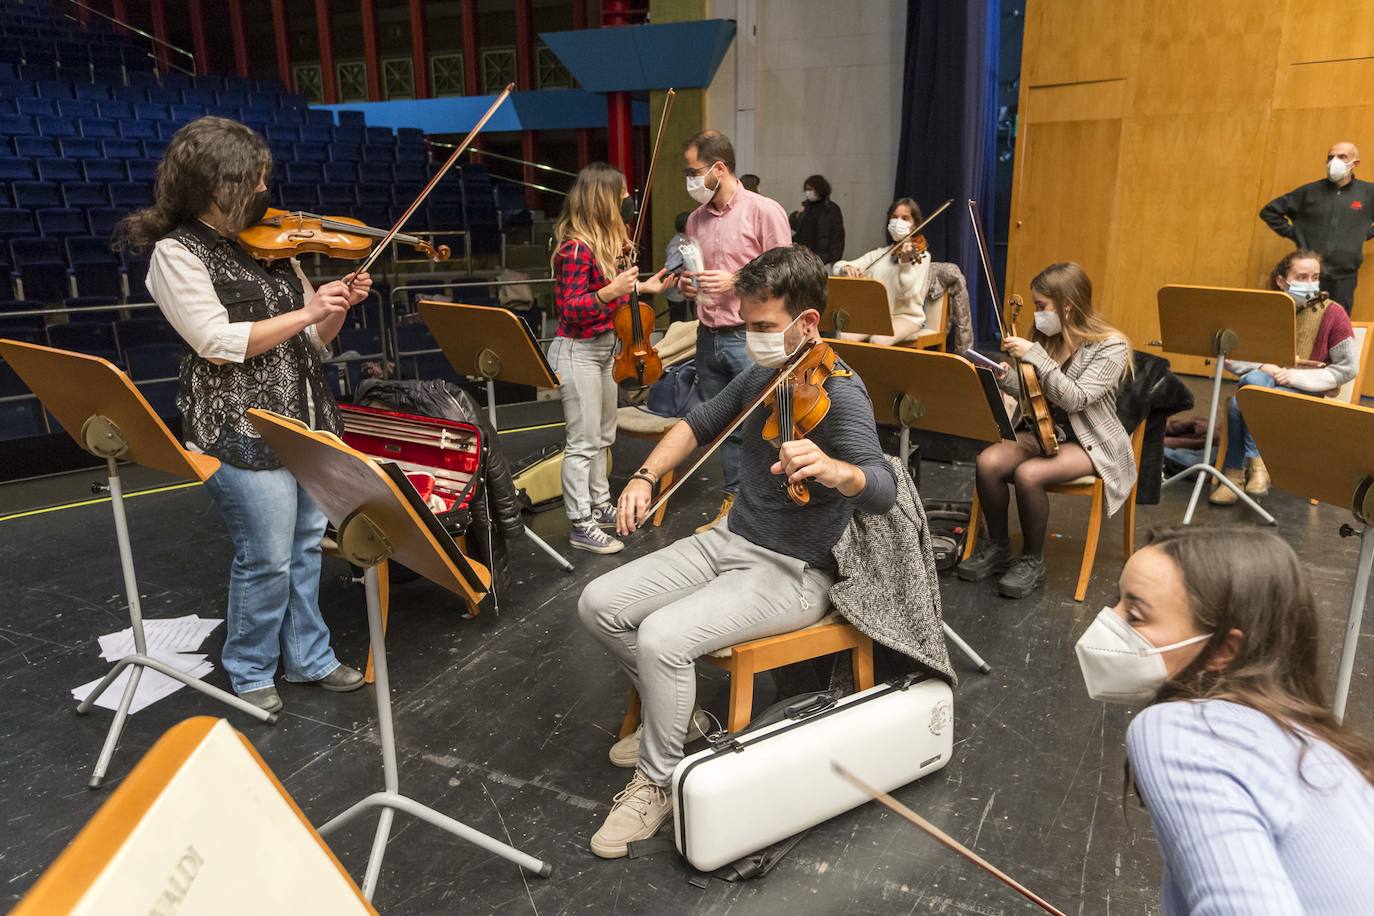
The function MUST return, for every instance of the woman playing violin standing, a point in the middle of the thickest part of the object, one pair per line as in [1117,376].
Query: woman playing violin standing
[767,569]
[590,238]
[903,270]
[1081,361]
[256,334]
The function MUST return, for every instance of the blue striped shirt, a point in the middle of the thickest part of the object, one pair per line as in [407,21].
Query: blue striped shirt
[1240,830]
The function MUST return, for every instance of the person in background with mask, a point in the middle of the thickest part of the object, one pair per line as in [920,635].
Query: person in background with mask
[767,571]
[1262,802]
[1081,360]
[902,271]
[256,332]
[1333,216]
[589,236]
[1324,334]
[818,223]
[732,226]
[672,260]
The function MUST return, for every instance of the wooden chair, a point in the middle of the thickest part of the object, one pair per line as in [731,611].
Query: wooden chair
[1089,485]
[828,635]
[934,335]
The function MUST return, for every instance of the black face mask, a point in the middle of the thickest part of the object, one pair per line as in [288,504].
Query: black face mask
[629,209]
[261,201]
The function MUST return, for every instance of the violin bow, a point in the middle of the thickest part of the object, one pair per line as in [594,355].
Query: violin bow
[649,176]
[987,267]
[433,182]
[910,235]
[743,415]
[892,804]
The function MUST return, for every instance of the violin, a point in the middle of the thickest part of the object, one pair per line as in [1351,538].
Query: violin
[287,233]
[911,250]
[637,359]
[798,405]
[1035,406]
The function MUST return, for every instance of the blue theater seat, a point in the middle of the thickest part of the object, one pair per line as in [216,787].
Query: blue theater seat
[153,149]
[104,170]
[15,169]
[138,130]
[374,194]
[337,196]
[15,125]
[299,196]
[152,110]
[312,152]
[55,169]
[97,92]
[104,316]
[33,107]
[78,108]
[379,152]
[138,332]
[56,127]
[142,169]
[153,360]
[352,119]
[94,337]
[122,149]
[81,148]
[15,223]
[99,128]
[61,222]
[380,135]
[187,112]
[121,109]
[102,220]
[300,172]
[35,194]
[344,153]
[317,133]
[130,195]
[346,172]
[85,194]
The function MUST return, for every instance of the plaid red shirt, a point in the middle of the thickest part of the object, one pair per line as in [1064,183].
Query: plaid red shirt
[576,279]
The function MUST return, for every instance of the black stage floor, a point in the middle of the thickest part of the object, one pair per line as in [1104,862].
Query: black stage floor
[504,723]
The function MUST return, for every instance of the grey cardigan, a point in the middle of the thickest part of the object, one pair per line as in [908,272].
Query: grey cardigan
[1086,389]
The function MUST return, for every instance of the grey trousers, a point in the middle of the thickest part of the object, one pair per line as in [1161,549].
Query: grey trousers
[660,612]
[588,393]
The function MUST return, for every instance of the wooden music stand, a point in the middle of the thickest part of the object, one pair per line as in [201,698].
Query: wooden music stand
[198,817]
[100,408]
[376,522]
[924,389]
[858,305]
[491,343]
[1220,323]
[1341,474]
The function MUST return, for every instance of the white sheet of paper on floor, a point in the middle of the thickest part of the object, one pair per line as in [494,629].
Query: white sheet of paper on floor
[172,634]
[152,686]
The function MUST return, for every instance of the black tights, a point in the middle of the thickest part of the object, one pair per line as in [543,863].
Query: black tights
[1017,463]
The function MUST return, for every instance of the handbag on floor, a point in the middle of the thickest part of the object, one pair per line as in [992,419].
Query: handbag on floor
[774,779]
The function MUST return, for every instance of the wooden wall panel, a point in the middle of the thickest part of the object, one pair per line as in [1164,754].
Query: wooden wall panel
[1199,113]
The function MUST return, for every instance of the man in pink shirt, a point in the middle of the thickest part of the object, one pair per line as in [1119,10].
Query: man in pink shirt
[732,226]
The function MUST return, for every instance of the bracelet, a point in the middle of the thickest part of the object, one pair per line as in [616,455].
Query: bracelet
[645,475]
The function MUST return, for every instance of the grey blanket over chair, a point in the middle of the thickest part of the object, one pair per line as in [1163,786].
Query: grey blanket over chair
[888,587]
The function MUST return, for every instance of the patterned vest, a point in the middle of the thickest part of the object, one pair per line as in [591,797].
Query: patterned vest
[287,379]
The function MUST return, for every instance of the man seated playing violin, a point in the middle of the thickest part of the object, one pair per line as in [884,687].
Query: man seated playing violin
[768,570]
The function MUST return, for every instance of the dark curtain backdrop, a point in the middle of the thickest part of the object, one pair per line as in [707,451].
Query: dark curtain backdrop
[949,132]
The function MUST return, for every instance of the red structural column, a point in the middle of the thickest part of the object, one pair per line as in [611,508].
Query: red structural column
[472,67]
[524,80]
[240,35]
[373,56]
[199,43]
[619,123]
[584,134]
[159,9]
[83,15]
[327,83]
[579,14]
[283,45]
[119,9]
[419,48]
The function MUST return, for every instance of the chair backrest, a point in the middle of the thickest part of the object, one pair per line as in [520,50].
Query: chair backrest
[1364,337]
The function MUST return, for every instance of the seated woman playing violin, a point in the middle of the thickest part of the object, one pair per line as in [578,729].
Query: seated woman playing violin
[769,569]
[1080,360]
[903,270]
[1328,358]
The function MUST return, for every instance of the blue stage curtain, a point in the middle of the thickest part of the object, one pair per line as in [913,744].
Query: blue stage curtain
[949,132]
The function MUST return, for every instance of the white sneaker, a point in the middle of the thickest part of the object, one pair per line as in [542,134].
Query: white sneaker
[637,814]
[587,536]
[625,752]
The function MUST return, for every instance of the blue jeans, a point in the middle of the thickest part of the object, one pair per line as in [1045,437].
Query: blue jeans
[274,582]
[720,357]
[1240,445]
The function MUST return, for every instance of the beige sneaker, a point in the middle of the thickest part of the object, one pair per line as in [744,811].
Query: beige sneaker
[1225,496]
[637,814]
[625,752]
[1256,477]
[720,516]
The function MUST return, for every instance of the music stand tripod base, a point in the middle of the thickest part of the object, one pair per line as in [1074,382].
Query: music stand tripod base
[365,545]
[1364,513]
[103,438]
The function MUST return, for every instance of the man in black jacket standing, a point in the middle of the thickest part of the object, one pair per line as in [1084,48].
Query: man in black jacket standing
[1333,217]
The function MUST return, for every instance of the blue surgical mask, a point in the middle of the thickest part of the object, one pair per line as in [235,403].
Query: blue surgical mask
[1302,290]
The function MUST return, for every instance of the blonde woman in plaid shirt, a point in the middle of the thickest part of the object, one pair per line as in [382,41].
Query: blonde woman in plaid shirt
[588,287]
[1081,361]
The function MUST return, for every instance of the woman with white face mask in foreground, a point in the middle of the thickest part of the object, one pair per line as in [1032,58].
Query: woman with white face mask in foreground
[903,271]
[1261,801]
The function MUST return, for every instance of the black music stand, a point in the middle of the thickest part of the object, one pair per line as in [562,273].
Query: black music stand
[924,389]
[379,517]
[100,408]
[1220,323]
[1343,476]
[492,344]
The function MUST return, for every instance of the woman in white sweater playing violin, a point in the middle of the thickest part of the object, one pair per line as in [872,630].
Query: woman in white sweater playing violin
[903,270]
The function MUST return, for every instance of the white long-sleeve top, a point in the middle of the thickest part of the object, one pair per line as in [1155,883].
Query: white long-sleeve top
[180,285]
[905,283]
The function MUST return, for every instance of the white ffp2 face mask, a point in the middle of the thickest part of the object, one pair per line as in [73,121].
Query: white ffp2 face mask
[769,348]
[696,188]
[1048,323]
[1337,169]
[1119,665]
[898,229]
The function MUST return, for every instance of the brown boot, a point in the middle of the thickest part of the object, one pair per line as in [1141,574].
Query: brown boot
[1225,496]
[1256,477]
[720,516]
